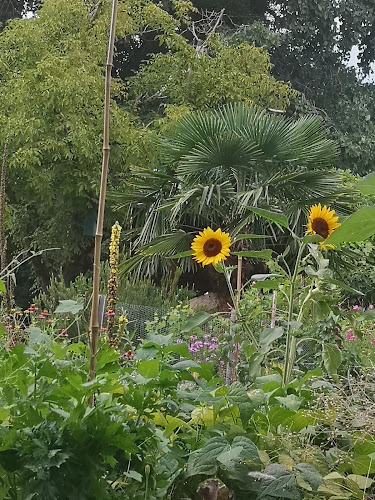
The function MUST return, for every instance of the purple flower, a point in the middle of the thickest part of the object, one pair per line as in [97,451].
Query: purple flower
[193,337]
[350,336]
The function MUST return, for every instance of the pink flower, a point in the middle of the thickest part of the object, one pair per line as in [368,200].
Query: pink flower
[350,336]
[356,308]
[63,333]
[371,306]
[373,341]
[110,313]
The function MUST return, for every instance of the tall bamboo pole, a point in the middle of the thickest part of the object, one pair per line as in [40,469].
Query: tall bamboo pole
[2,207]
[94,320]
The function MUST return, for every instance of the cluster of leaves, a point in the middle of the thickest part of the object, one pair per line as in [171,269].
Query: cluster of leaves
[156,431]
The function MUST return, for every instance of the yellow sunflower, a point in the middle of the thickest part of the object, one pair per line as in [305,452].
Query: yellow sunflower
[322,221]
[211,247]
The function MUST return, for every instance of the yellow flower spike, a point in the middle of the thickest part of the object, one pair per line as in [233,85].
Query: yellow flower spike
[322,221]
[211,247]
[113,283]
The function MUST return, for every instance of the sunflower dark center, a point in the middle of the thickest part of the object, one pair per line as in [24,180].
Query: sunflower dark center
[320,226]
[212,247]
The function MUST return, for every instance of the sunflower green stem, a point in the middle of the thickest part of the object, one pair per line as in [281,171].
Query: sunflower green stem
[291,342]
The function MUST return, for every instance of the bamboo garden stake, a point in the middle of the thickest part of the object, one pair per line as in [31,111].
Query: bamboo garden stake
[94,320]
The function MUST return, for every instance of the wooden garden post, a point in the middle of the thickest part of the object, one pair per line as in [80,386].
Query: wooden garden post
[94,320]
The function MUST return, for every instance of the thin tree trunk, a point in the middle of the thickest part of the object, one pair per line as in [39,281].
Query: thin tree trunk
[94,321]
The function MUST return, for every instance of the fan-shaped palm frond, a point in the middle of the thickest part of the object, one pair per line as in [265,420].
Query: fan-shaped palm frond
[246,138]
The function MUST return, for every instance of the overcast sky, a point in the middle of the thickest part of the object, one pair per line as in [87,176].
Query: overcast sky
[353,62]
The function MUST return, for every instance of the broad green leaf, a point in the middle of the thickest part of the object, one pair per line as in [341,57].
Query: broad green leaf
[68,306]
[2,287]
[105,357]
[362,481]
[363,465]
[309,474]
[356,228]
[310,374]
[146,352]
[36,337]
[267,284]
[367,184]
[249,453]
[291,401]
[269,335]
[254,363]
[157,340]
[265,379]
[4,414]
[331,358]
[248,349]
[276,218]
[203,461]
[277,481]
[148,368]
[180,349]
[255,254]
[242,455]
[278,415]
[237,394]
[228,457]
[134,475]
[185,365]
[312,238]
[198,319]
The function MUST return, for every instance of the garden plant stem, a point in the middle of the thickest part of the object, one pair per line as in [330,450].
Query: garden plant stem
[290,350]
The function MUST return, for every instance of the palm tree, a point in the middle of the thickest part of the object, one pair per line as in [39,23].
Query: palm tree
[214,166]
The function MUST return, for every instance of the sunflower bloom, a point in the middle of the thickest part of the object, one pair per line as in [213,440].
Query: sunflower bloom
[211,247]
[322,221]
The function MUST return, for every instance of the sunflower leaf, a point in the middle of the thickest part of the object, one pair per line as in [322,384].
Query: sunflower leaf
[197,320]
[312,238]
[356,228]
[367,184]
[279,219]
